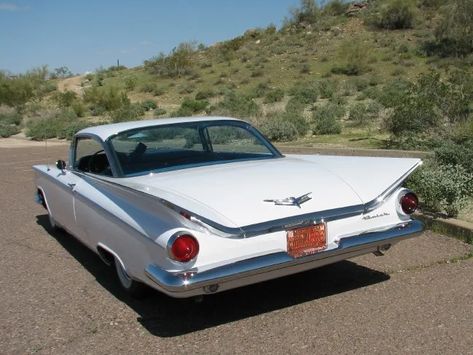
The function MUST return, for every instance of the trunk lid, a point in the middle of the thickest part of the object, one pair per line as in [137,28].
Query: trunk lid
[234,194]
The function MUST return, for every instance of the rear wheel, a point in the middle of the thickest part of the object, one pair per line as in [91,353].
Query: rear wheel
[133,288]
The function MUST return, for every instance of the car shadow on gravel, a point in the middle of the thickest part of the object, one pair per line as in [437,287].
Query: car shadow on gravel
[164,316]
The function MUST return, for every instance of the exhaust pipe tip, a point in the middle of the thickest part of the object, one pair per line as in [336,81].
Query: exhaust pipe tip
[382,249]
[211,288]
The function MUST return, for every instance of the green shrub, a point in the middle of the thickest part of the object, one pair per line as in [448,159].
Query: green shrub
[179,62]
[279,129]
[327,119]
[327,88]
[306,93]
[44,128]
[453,153]
[97,111]
[159,111]
[338,100]
[148,87]
[354,55]
[359,83]
[295,105]
[260,90]
[158,91]
[347,69]
[359,114]
[110,99]
[190,107]
[204,94]
[430,103]
[148,105]
[393,14]
[60,124]
[7,130]
[10,118]
[392,93]
[65,99]
[453,35]
[79,108]
[187,89]
[130,83]
[442,188]
[237,105]
[17,91]
[463,131]
[275,95]
[69,129]
[194,106]
[130,112]
[412,115]
[308,12]
[374,108]
[61,72]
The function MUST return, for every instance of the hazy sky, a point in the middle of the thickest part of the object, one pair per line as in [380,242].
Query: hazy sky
[86,34]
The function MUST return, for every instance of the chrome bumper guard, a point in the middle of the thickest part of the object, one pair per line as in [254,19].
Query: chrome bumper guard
[267,267]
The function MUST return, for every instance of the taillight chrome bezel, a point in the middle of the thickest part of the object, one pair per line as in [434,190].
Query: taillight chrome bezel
[173,239]
[400,198]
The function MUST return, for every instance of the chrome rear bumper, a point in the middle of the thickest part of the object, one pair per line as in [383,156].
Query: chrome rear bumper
[275,265]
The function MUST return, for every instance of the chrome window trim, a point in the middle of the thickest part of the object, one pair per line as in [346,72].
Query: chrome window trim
[106,148]
[275,153]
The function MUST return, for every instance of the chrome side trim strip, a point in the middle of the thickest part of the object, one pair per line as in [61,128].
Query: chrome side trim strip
[191,283]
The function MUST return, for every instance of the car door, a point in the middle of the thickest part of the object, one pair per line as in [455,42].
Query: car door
[89,160]
[59,195]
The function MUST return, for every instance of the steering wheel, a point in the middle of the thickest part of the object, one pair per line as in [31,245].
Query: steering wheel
[90,163]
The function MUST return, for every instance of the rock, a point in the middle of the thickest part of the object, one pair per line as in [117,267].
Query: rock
[355,8]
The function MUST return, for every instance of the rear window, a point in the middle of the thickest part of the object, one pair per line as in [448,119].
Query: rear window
[160,148]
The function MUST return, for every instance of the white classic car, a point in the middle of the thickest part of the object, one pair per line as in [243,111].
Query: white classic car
[193,206]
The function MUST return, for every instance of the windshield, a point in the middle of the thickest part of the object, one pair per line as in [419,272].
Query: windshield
[183,145]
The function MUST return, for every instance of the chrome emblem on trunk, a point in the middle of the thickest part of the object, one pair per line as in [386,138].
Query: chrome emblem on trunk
[292,201]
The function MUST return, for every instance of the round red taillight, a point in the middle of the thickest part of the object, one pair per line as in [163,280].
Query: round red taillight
[409,203]
[184,248]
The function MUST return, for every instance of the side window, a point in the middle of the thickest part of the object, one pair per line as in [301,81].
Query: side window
[228,139]
[90,157]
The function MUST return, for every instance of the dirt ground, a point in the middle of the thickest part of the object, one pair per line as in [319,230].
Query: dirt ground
[58,297]
[71,84]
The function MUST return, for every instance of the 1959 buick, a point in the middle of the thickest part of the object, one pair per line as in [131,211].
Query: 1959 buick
[193,206]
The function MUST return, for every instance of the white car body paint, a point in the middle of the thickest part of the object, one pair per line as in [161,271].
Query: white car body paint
[130,215]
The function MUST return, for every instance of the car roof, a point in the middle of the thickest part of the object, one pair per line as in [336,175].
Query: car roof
[108,130]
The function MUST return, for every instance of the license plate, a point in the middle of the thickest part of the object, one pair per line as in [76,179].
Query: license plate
[307,240]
